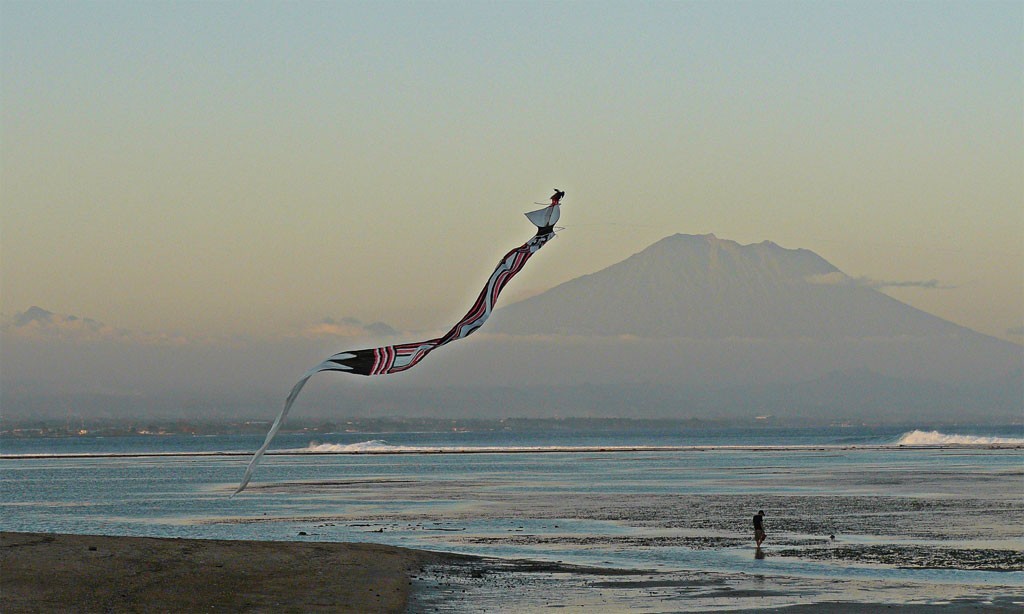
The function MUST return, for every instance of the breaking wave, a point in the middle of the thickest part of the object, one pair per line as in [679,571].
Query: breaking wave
[379,446]
[373,445]
[910,438]
[935,438]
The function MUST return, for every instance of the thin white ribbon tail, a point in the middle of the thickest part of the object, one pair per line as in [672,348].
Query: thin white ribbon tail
[277,423]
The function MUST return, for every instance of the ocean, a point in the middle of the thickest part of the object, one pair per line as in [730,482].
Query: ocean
[935,516]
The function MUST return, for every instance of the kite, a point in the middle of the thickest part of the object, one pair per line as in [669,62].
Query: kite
[397,358]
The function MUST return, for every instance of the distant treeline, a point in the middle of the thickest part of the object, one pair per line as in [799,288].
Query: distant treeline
[114,427]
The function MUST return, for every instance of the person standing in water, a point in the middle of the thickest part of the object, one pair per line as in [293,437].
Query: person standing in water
[759,533]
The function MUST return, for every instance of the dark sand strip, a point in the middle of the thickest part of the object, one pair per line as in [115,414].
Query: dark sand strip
[83,573]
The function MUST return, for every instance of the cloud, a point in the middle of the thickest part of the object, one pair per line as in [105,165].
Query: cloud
[838,278]
[930,284]
[835,278]
[348,328]
[39,324]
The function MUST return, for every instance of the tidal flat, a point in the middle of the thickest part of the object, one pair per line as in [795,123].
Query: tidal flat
[643,530]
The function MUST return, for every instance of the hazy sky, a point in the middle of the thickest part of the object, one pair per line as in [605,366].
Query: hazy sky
[248,169]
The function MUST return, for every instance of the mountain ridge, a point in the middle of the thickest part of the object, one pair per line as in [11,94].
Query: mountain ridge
[701,286]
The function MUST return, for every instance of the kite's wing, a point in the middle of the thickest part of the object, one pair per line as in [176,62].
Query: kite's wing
[397,358]
[543,218]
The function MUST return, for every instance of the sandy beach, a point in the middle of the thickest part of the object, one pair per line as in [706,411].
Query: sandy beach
[85,573]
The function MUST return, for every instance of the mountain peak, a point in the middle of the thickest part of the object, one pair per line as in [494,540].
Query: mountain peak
[712,241]
[705,287]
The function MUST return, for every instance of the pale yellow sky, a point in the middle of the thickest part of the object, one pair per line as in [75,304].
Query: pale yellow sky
[248,169]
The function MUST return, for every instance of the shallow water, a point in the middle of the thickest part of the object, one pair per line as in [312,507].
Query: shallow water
[915,518]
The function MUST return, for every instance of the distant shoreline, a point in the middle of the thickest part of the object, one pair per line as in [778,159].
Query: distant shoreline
[534,450]
[77,427]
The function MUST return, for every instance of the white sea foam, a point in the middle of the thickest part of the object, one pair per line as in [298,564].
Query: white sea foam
[935,438]
[373,445]
[379,446]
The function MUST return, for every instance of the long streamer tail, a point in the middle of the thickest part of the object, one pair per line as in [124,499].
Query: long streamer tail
[277,425]
[397,358]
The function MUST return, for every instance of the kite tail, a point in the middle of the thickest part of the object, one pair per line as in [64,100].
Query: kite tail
[396,358]
[277,424]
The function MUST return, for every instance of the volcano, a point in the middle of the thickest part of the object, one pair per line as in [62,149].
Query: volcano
[697,326]
[703,287]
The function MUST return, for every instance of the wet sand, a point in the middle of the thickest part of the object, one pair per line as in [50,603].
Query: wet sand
[83,573]
[494,585]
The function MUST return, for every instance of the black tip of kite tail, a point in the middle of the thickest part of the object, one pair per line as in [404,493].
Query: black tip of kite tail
[357,362]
